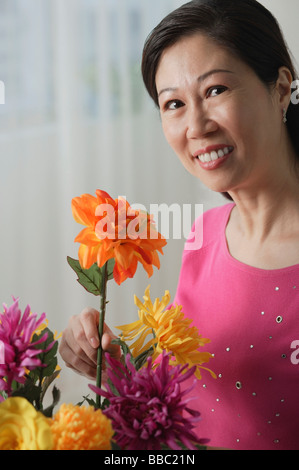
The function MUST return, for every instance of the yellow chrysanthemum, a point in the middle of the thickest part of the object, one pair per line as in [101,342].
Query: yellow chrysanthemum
[171,332]
[81,428]
[22,427]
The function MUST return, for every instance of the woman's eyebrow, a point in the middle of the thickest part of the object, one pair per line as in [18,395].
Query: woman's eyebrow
[201,78]
[212,72]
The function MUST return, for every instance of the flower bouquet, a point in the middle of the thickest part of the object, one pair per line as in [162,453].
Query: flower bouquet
[28,367]
[146,402]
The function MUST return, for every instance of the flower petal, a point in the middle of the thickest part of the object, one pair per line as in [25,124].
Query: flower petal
[126,251]
[84,208]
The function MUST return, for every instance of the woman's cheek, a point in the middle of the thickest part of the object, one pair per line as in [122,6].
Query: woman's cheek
[173,135]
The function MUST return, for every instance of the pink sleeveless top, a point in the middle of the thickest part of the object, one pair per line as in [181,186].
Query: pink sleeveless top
[251,316]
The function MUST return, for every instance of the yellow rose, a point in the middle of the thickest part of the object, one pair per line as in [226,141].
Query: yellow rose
[22,427]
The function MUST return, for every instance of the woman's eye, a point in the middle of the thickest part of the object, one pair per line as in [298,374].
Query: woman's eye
[174,104]
[215,91]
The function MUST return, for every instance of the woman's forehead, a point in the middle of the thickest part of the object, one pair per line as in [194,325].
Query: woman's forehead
[197,55]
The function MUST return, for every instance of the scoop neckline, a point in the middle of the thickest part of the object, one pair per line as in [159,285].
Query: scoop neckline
[246,267]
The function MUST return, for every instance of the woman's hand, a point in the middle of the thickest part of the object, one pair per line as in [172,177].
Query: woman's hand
[80,340]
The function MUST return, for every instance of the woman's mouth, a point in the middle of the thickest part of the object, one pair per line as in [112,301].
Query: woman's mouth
[213,157]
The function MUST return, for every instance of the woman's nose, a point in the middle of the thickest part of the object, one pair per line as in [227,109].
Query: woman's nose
[199,123]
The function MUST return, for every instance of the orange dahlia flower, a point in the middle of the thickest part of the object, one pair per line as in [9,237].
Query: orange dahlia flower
[115,230]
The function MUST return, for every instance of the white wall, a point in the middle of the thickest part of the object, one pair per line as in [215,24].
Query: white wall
[286,12]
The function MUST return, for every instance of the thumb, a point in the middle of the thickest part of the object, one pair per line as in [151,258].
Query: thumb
[112,349]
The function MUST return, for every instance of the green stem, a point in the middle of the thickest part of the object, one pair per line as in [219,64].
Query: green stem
[104,281]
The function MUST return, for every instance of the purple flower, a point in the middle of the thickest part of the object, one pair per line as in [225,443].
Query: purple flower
[148,408]
[16,331]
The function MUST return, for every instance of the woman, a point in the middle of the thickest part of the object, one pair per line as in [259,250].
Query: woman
[221,75]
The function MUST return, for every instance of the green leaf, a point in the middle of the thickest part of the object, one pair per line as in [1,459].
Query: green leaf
[114,446]
[105,403]
[48,412]
[90,401]
[140,360]
[47,358]
[47,382]
[4,395]
[91,279]
[110,267]
[124,347]
[29,390]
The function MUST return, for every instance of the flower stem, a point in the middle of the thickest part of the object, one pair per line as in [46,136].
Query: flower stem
[104,281]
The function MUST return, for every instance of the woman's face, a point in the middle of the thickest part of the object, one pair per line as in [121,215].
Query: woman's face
[220,119]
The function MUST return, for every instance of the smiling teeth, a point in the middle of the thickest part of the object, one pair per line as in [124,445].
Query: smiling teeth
[214,155]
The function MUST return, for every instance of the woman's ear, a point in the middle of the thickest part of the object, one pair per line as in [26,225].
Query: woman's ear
[284,87]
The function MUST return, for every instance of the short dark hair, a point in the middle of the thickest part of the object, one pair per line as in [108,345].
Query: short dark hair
[244,27]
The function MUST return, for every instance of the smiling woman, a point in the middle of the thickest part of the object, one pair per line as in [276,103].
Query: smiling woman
[231,27]
[221,75]
[213,117]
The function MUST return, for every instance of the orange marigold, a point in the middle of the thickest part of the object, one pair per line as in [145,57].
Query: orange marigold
[81,428]
[115,230]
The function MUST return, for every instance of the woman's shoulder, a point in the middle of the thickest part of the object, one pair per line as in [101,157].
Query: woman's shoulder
[219,213]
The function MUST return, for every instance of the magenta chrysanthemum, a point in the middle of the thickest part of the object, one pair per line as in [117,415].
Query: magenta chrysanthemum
[16,331]
[149,409]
